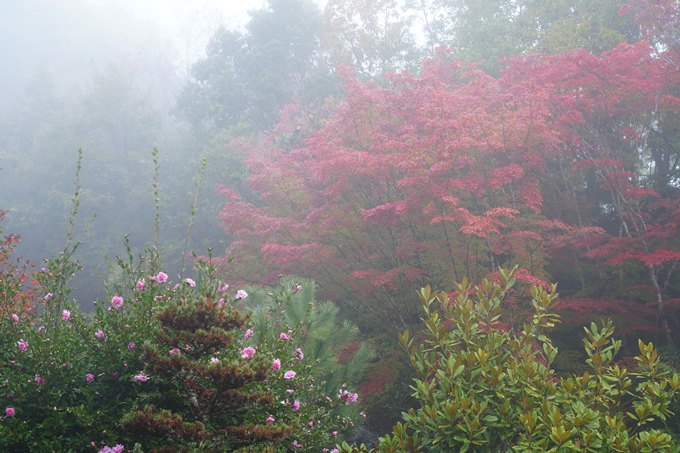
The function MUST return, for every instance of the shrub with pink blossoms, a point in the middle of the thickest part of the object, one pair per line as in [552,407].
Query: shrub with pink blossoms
[116,301]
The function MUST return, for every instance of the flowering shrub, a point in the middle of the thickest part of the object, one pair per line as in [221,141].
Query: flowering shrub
[174,367]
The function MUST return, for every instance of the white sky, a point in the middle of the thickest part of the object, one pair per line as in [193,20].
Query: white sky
[70,37]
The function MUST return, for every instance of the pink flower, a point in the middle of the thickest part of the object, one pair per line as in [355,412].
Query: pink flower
[284,336]
[89,377]
[22,345]
[276,365]
[298,288]
[106,449]
[117,449]
[141,377]
[296,406]
[247,353]
[270,419]
[363,414]
[175,351]
[131,346]
[290,374]
[117,302]
[65,315]
[190,282]
[298,354]
[140,284]
[15,318]
[162,277]
[214,360]
[10,412]
[99,334]
[344,395]
[335,433]
[221,303]
[310,424]
[39,380]
[248,334]
[48,296]
[222,288]
[240,294]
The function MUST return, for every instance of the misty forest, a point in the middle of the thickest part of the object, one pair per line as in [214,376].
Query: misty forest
[350,226]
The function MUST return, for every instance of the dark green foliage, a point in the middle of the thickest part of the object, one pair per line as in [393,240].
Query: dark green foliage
[486,388]
[247,78]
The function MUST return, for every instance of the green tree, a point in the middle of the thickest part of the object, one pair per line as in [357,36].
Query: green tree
[248,77]
[370,36]
[484,387]
[323,336]
[488,30]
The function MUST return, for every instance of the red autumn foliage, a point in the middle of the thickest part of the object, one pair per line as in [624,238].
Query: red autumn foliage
[18,287]
[454,173]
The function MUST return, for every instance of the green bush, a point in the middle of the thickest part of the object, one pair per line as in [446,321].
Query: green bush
[485,388]
[159,365]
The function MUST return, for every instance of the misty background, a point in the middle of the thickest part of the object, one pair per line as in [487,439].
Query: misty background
[103,76]
[195,79]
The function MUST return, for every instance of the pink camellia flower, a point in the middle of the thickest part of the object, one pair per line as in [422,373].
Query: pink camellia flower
[99,334]
[190,282]
[23,345]
[214,360]
[295,406]
[10,412]
[48,296]
[298,354]
[240,294]
[284,336]
[248,334]
[270,419]
[39,380]
[141,377]
[223,287]
[131,346]
[175,351]
[65,315]
[162,277]
[89,377]
[15,318]
[117,302]
[247,353]
[276,365]
[140,284]
[290,374]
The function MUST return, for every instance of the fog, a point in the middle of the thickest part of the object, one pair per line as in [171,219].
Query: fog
[365,148]
[101,76]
